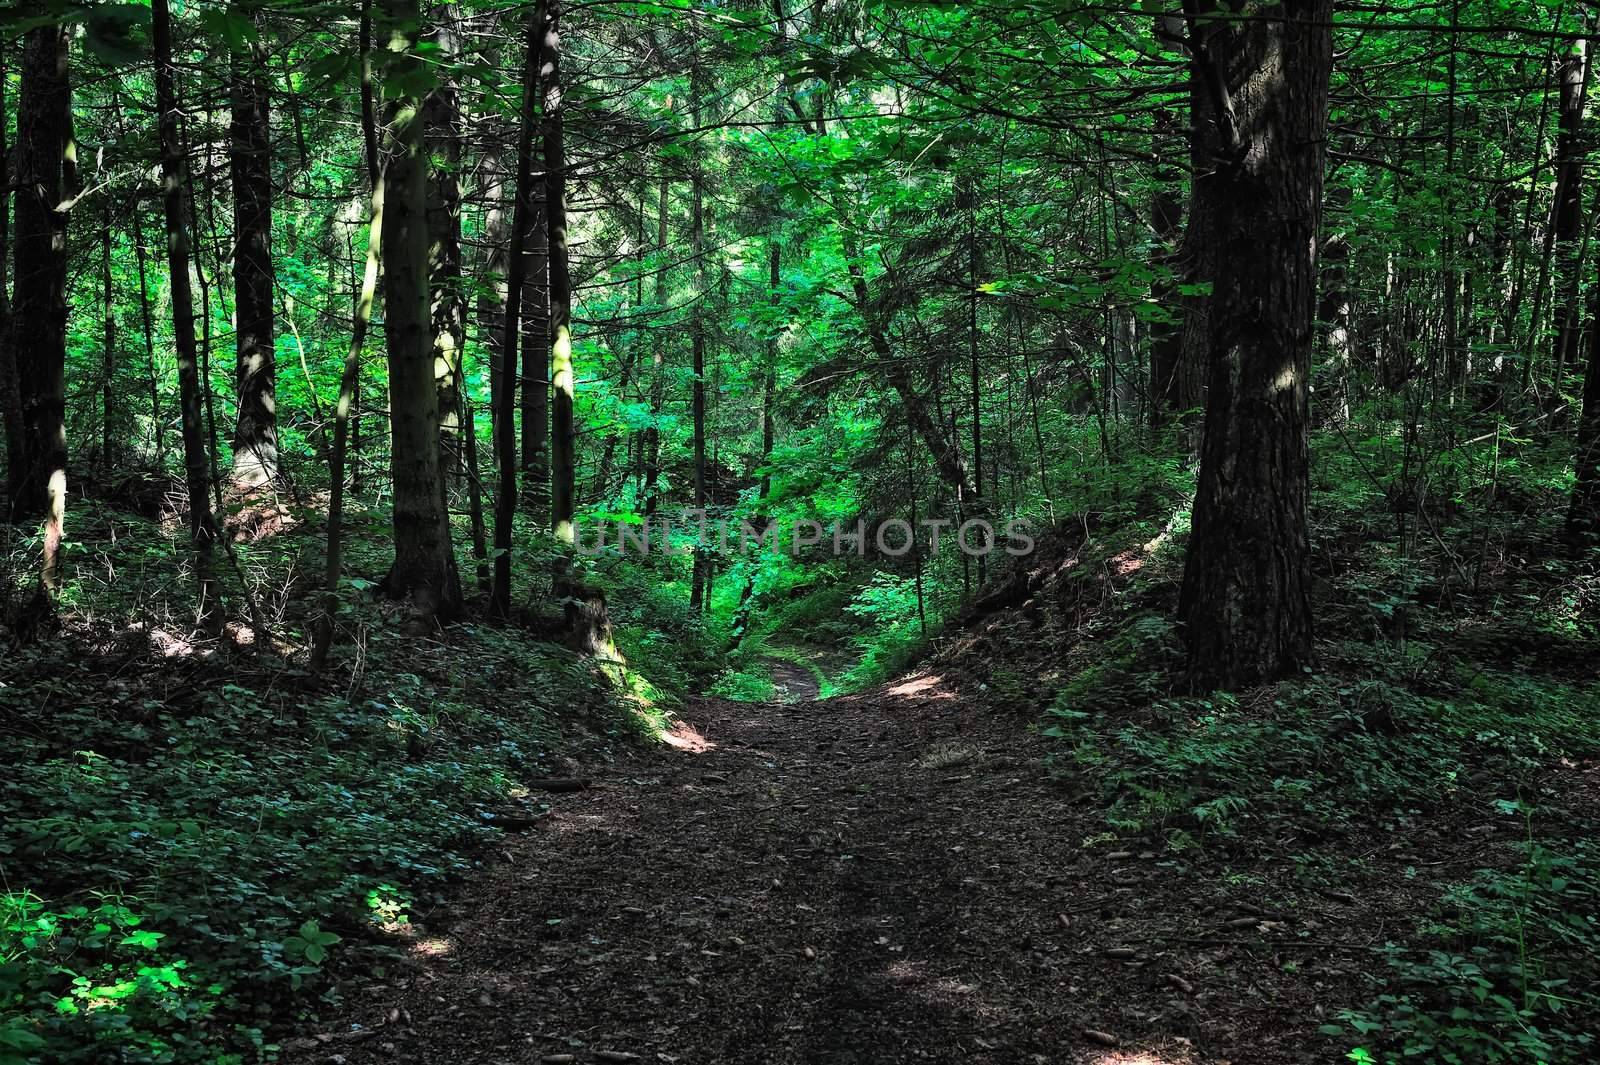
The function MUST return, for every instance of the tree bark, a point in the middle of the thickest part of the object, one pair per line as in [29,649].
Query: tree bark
[255,434]
[1567,221]
[37,339]
[202,523]
[448,306]
[344,417]
[505,437]
[1166,337]
[658,355]
[424,567]
[697,340]
[536,359]
[1245,603]
[563,441]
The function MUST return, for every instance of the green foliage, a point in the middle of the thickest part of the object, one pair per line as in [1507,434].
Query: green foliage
[211,853]
[1509,979]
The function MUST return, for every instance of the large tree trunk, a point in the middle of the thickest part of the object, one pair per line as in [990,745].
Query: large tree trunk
[202,523]
[36,429]
[1246,592]
[255,434]
[424,566]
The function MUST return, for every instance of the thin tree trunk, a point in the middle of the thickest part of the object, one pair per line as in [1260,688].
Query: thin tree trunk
[349,383]
[202,524]
[448,307]
[492,292]
[158,426]
[658,354]
[108,341]
[769,387]
[1166,337]
[10,387]
[1569,222]
[563,471]
[974,267]
[697,337]
[505,436]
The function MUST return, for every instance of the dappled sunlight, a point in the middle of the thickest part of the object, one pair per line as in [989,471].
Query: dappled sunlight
[685,737]
[1135,1057]
[570,824]
[432,947]
[1127,563]
[926,685]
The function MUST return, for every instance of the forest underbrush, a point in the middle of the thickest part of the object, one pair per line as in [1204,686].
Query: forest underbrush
[1436,778]
[228,833]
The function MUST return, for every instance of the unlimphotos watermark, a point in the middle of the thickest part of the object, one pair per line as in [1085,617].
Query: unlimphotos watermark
[894,537]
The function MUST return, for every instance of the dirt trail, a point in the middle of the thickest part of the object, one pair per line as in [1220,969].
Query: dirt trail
[792,683]
[876,879]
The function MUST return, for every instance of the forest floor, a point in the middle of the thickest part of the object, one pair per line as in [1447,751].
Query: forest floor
[887,877]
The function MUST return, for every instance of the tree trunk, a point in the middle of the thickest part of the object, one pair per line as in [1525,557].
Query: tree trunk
[1583,516]
[202,523]
[255,434]
[158,427]
[448,306]
[536,359]
[1567,222]
[424,566]
[37,339]
[563,440]
[1245,603]
[1197,254]
[1166,337]
[505,437]
[492,292]
[697,339]
[350,380]
[108,341]
[323,635]
[658,355]
[769,387]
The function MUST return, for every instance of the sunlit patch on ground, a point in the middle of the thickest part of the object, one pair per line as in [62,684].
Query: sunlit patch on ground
[1128,562]
[1135,1057]
[685,737]
[433,947]
[926,685]
[567,824]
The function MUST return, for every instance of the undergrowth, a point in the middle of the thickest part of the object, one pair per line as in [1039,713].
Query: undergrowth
[194,840]
[1455,694]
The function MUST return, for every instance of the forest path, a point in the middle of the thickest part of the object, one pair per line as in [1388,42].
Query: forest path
[881,878]
[791,682]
